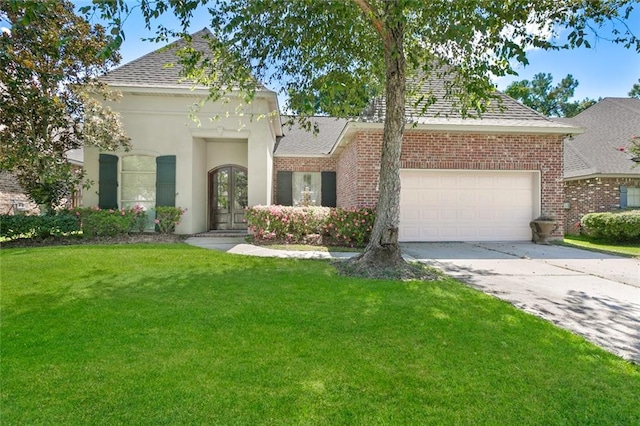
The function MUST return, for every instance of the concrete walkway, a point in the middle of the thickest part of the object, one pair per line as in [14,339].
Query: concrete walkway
[594,295]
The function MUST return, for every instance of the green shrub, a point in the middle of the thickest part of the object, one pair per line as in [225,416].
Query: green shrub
[37,227]
[614,227]
[167,218]
[310,225]
[96,222]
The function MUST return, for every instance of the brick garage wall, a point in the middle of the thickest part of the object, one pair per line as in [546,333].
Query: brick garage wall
[592,196]
[300,164]
[454,151]
[356,184]
[10,192]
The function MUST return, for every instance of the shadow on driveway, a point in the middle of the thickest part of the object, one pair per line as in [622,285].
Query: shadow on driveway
[592,294]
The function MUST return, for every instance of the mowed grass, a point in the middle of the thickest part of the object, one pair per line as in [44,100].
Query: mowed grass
[626,249]
[171,334]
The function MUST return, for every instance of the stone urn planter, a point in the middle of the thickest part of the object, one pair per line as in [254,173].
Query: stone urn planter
[542,229]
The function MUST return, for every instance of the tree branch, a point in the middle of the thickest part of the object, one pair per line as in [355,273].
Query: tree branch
[368,11]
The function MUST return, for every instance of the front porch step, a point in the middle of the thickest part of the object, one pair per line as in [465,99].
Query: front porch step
[222,234]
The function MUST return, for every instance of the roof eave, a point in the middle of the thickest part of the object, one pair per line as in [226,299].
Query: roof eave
[198,91]
[602,176]
[523,127]
[277,155]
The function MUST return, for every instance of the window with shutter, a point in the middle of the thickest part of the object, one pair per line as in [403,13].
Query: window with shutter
[328,189]
[623,196]
[284,189]
[166,181]
[108,181]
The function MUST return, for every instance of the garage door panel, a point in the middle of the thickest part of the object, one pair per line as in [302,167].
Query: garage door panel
[466,205]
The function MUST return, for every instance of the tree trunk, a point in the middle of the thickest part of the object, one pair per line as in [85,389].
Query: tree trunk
[383,249]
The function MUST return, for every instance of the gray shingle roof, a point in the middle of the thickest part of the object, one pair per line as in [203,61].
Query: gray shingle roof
[444,107]
[298,141]
[609,126]
[151,70]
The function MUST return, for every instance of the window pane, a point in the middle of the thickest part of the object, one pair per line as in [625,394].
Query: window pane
[221,183]
[138,163]
[138,187]
[306,188]
[240,189]
[633,197]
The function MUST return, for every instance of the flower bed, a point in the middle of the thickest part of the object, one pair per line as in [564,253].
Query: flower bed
[310,225]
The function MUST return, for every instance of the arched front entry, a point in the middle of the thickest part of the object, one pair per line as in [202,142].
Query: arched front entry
[227,197]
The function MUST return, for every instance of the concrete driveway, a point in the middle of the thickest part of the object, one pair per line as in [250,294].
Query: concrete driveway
[592,294]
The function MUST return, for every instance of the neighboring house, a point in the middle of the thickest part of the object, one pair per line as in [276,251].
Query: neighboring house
[13,199]
[600,173]
[462,179]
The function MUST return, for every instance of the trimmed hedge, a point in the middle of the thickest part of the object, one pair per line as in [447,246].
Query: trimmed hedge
[37,227]
[96,222]
[615,227]
[310,225]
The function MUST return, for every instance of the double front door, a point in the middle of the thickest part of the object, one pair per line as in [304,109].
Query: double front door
[227,198]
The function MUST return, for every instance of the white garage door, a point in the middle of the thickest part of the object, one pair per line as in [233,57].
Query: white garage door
[467,205]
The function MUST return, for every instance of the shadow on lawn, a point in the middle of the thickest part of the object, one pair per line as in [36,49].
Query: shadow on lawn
[610,323]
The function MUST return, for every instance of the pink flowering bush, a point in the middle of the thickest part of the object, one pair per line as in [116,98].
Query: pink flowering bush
[283,224]
[310,225]
[96,222]
[349,227]
[167,218]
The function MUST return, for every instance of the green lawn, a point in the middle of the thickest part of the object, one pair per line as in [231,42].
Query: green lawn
[171,334]
[629,249]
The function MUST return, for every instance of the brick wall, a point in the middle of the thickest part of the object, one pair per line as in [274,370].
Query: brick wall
[358,165]
[300,164]
[453,151]
[347,176]
[591,196]
[12,198]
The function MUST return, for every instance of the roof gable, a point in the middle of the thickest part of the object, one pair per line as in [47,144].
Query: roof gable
[603,147]
[297,141]
[159,68]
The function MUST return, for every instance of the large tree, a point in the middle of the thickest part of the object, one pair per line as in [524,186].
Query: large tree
[635,90]
[323,52]
[553,101]
[49,99]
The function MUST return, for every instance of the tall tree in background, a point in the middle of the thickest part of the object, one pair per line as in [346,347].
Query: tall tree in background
[635,90]
[540,95]
[323,52]
[48,97]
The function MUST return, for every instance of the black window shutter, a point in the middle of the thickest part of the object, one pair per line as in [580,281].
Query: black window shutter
[285,188]
[328,180]
[108,182]
[623,196]
[166,181]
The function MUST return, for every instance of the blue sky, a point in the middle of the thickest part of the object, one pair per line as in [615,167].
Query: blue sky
[605,70]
